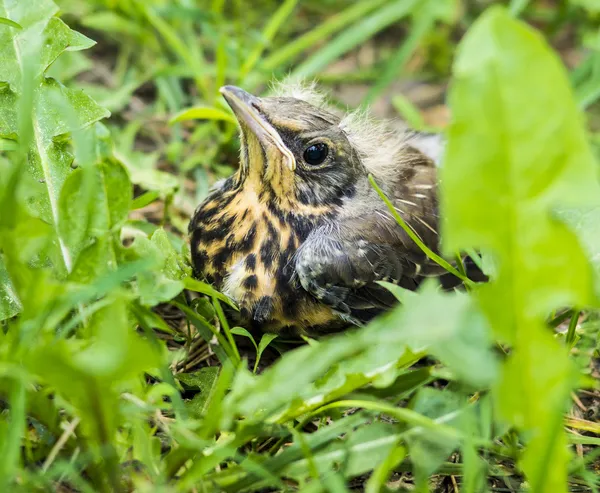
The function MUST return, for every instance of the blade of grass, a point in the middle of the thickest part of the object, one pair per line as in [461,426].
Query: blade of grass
[269,32]
[335,23]
[225,326]
[223,350]
[571,335]
[8,22]
[402,414]
[202,113]
[166,374]
[354,36]
[177,46]
[11,449]
[207,289]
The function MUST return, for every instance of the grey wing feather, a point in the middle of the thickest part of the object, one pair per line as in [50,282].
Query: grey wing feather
[340,265]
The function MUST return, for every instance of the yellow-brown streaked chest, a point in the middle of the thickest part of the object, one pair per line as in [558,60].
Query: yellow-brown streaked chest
[245,245]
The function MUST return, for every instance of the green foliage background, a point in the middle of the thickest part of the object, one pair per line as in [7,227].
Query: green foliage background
[113,379]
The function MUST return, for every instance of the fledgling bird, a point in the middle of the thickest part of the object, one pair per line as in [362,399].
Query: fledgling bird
[297,236]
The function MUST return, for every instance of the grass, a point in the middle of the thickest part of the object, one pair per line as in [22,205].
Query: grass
[120,372]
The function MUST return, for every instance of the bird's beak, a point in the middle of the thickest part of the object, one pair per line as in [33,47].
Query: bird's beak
[246,108]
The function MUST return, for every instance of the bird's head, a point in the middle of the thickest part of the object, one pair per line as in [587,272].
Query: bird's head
[294,148]
[307,156]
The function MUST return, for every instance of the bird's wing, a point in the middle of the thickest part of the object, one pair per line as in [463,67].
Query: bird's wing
[341,263]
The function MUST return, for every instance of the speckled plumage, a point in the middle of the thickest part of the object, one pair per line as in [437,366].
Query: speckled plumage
[301,246]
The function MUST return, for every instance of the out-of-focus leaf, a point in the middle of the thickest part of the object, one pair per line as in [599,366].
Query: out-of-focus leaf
[271,28]
[296,452]
[8,22]
[152,319]
[113,99]
[592,6]
[69,65]
[454,330]
[585,222]
[428,449]
[9,301]
[142,171]
[113,24]
[164,282]
[504,173]
[432,321]
[522,176]
[89,377]
[357,453]
[145,199]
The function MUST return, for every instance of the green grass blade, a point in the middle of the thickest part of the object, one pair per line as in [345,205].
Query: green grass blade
[332,25]
[270,31]
[13,432]
[354,36]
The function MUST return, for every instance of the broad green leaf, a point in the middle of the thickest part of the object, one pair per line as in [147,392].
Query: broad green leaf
[96,258]
[454,330]
[56,109]
[204,381]
[41,33]
[94,202]
[175,266]
[517,173]
[510,162]
[240,331]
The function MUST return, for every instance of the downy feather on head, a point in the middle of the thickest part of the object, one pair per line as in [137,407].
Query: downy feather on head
[376,141]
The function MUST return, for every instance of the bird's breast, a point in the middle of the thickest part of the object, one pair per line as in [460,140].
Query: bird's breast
[246,247]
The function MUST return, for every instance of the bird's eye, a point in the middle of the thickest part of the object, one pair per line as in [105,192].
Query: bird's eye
[316,153]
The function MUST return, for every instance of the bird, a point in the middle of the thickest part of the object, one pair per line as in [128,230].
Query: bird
[298,237]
